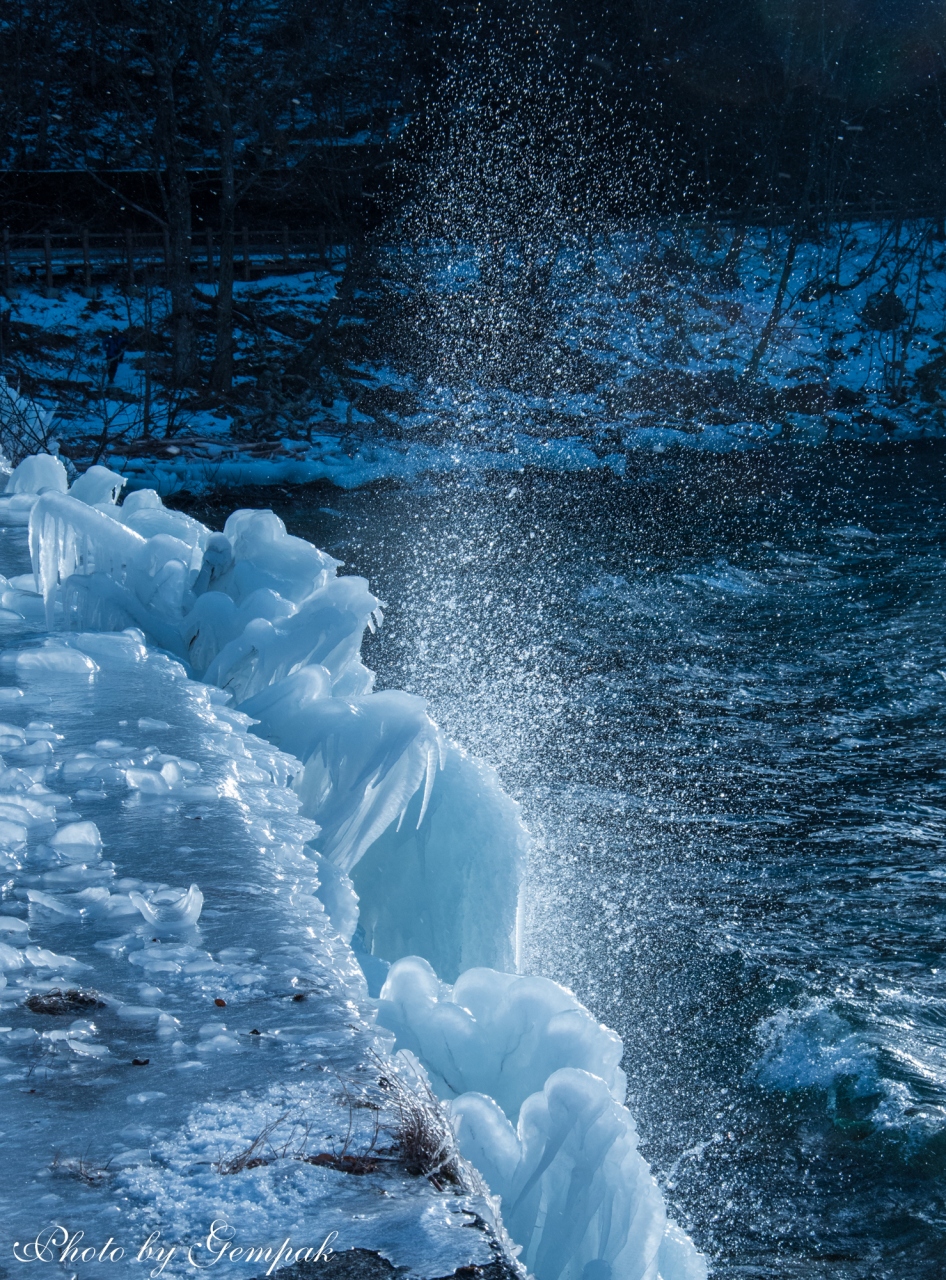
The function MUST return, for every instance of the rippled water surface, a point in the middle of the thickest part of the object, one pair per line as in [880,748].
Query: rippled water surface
[718,688]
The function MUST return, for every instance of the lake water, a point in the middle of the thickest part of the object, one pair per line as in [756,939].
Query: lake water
[718,688]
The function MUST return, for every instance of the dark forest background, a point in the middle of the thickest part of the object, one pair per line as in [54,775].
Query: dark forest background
[374,122]
[741,102]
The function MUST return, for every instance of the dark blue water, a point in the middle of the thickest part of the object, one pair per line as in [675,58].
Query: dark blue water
[718,688]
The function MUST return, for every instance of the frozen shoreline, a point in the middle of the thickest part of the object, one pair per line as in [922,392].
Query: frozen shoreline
[118,1150]
[418,863]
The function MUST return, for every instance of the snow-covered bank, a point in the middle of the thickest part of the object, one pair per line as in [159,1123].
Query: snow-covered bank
[647,339]
[416,853]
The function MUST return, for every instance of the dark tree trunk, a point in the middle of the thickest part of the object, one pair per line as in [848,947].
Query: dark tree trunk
[171,166]
[180,286]
[223,359]
[776,313]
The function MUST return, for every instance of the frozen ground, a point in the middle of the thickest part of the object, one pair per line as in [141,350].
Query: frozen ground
[92,838]
[188,1035]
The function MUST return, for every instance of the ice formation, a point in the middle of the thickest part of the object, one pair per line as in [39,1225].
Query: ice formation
[502,1034]
[265,616]
[152,1025]
[509,1049]
[413,849]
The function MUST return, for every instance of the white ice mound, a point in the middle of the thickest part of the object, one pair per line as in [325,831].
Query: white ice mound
[265,555]
[434,847]
[82,836]
[576,1193]
[506,1048]
[145,513]
[33,474]
[36,473]
[502,1034]
[447,888]
[325,630]
[283,710]
[54,660]
[110,577]
[169,910]
[98,487]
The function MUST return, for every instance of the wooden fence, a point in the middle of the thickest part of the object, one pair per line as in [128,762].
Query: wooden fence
[50,260]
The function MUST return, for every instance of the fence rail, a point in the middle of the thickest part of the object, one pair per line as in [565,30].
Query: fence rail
[839,211]
[52,259]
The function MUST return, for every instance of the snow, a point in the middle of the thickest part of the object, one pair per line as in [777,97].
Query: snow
[660,327]
[190,905]
[352,465]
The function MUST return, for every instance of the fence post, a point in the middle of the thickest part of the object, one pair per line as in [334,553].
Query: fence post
[210,256]
[285,246]
[246,253]
[130,257]
[146,408]
[7,265]
[48,253]
[86,261]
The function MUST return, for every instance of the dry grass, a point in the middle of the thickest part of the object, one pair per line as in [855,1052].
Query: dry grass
[83,1170]
[426,1143]
[255,1154]
[423,1142]
[263,1150]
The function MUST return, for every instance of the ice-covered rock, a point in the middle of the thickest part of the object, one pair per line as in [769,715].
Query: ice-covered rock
[34,474]
[537,1093]
[416,852]
[265,555]
[576,1193]
[54,660]
[37,473]
[98,487]
[502,1034]
[145,513]
[78,836]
